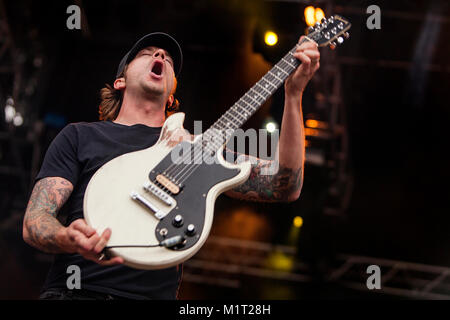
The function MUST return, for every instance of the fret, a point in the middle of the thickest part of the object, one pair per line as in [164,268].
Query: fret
[289,63]
[229,112]
[229,122]
[222,134]
[217,138]
[276,66]
[271,79]
[235,114]
[251,106]
[242,115]
[269,82]
[216,124]
[256,96]
[224,124]
[246,113]
[208,136]
[281,81]
[210,144]
[254,99]
[287,67]
[254,90]
[242,112]
[263,88]
[239,112]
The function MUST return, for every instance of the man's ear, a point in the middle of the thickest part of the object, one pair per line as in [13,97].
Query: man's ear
[120,84]
[170,100]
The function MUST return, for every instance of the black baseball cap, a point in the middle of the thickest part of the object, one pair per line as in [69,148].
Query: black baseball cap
[156,39]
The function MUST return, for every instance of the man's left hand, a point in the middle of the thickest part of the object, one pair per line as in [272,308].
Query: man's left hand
[309,56]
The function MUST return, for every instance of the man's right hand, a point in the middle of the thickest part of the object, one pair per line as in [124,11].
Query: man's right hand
[80,238]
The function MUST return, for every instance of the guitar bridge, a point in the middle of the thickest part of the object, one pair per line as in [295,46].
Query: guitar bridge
[156,211]
[158,192]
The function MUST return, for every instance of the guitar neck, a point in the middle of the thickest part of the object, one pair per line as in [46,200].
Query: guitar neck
[254,98]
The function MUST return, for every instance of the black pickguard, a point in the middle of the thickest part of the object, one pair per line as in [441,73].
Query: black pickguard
[191,201]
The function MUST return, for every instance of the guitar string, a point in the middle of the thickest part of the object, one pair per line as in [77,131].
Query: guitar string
[211,145]
[173,167]
[187,170]
[188,173]
[194,155]
[194,147]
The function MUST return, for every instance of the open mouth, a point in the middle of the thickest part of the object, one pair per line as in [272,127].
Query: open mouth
[157,68]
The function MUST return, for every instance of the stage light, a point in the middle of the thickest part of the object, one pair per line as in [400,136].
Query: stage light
[310,18]
[280,261]
[271,126]
[313,15]
[10,112]
[311,123]
[270,38]
[311,132]
[18,120]
[319,14]
[298,222]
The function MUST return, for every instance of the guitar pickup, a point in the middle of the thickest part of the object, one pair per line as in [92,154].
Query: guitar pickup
[156,211]
[158,192]
[168,184]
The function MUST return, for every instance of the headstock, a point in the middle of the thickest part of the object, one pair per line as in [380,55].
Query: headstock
[331,31]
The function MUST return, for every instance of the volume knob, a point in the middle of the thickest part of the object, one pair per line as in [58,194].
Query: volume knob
[190,230]
[178,220]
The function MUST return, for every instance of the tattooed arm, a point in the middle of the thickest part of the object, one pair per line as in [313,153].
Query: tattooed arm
[283,186]
[43,231]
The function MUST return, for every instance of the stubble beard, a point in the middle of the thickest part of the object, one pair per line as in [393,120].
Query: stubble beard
[152,89]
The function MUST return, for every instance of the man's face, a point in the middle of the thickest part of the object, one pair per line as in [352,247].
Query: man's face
[151,72]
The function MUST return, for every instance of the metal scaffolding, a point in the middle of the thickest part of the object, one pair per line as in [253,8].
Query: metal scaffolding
[225,262]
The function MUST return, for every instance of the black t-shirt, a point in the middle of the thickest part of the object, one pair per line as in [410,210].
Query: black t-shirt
[76,153]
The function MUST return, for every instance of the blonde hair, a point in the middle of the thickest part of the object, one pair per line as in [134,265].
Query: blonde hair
[111,101]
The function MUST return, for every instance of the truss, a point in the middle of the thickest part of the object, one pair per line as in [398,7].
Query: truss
[224,261]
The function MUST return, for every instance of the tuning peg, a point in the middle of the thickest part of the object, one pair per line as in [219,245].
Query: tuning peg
[340,40]
[323,20]
[317,24]
[333,45]
[310,29]
[346,35]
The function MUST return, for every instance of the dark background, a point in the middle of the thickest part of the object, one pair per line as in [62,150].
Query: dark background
[394,85]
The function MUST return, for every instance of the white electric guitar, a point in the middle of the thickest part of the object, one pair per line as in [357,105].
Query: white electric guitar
[159,206]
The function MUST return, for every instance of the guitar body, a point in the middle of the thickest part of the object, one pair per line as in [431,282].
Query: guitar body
[108,202]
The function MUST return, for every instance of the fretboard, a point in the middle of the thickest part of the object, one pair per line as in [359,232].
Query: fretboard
[253,99]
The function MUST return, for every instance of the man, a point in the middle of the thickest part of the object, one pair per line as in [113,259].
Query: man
[133,112]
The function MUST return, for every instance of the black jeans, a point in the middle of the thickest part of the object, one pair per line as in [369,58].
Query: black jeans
[66,294]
